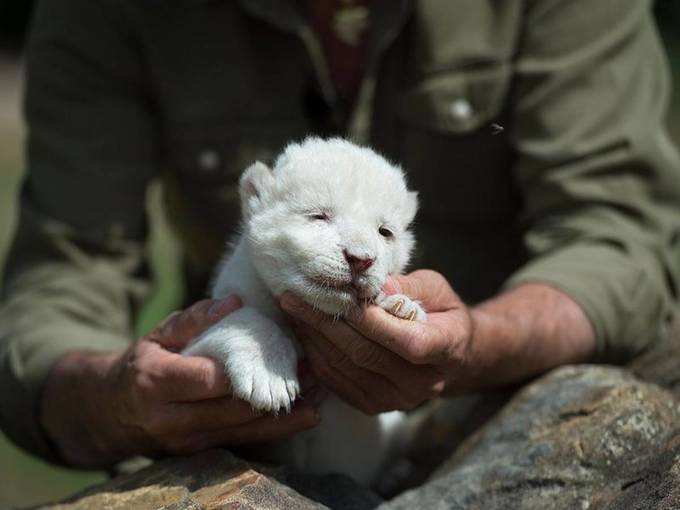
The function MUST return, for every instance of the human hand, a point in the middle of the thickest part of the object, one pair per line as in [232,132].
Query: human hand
[378,362]
[150,399]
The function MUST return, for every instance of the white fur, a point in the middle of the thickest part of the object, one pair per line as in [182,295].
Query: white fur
[287,246]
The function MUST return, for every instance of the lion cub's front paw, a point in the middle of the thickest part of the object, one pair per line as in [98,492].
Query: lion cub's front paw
[262,368]
[265,389]
[402,306]
[258,358]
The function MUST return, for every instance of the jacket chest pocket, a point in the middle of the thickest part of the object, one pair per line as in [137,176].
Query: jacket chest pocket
[203,164]
[207,159]
[454,143]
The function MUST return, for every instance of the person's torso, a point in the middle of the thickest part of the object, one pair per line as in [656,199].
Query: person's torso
[234,82]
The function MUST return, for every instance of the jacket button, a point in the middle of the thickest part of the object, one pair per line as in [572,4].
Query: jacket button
[461,109]
[209,160]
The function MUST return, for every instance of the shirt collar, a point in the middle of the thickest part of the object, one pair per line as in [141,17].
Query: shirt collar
[388,15]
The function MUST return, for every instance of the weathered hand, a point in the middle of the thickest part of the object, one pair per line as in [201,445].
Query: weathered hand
[378,362]
[150,399]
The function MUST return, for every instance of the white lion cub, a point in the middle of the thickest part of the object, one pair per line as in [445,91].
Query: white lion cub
[329,223]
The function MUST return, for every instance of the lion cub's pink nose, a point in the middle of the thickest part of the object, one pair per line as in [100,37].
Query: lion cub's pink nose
[358,264]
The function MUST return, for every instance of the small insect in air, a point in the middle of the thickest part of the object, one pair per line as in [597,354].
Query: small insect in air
[496,129]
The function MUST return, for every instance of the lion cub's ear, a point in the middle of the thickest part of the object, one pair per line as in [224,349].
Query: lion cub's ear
[411,206]
[254,187]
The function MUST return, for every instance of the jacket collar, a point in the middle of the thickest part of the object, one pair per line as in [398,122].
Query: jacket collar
[388,17]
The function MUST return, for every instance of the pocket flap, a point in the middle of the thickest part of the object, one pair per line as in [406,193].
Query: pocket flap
[458,102]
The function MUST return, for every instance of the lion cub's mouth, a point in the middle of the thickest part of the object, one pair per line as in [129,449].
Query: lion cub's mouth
[335,283]
[349,286]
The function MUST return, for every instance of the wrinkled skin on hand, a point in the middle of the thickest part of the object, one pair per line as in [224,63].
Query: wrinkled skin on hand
[378,362]
[151,400]
[183,404]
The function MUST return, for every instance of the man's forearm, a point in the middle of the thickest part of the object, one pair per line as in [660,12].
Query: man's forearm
[523,332]
[76,410]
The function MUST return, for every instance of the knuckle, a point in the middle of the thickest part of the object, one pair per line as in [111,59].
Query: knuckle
[366,355]
[143,384]
[137,353]
[144,387]
[433,386]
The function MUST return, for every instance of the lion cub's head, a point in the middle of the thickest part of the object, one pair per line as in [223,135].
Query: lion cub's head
[329,222]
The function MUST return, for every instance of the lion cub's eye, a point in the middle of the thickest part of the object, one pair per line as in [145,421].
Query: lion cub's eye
[385,232]
[319,216]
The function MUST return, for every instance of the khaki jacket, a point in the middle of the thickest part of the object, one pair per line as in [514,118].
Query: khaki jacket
[580,190]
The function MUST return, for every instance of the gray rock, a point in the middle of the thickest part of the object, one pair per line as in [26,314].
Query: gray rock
[581,437]
[584,437]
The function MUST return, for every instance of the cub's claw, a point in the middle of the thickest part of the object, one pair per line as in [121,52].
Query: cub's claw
[263,389]
[402,306]
[397,306]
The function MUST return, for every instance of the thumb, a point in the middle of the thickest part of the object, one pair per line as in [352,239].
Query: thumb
[425,286]
[179,328]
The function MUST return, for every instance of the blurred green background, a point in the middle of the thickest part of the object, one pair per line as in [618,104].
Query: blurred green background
[28,481]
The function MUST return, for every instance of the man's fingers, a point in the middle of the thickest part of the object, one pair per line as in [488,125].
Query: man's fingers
[212,414]
[180,327]
[178,378]
[261,430]
[351,344]
[367,353]
[335,380]
[416,342]
[364,389]
[368,343]
[428,287]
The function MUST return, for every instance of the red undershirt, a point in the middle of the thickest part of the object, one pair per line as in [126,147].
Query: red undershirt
[345,61]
